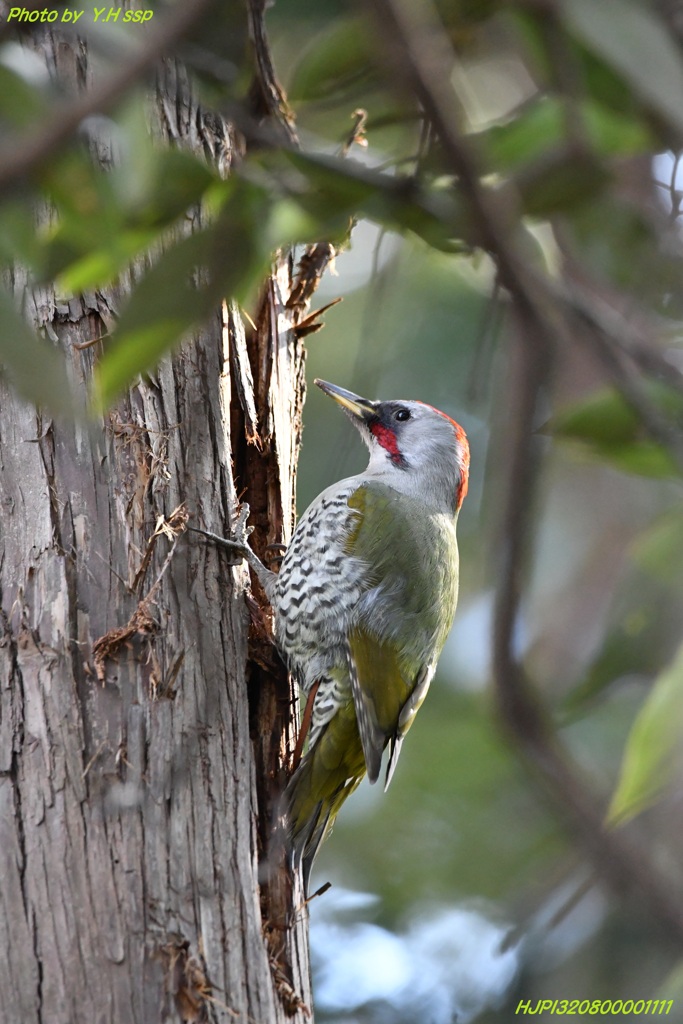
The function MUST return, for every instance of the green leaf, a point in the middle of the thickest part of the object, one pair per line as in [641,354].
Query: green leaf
[88,215]
[613,134]
[185,285]
[672,985]
[542,125]
[176,181]
[659,551]
[36,369]
[332,61]
[100,267]
[636,43]
[652,758]
[100,228]
[161,310]
[607,427]
[559,182]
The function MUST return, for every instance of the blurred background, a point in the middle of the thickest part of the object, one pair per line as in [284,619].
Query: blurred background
[432,879]
[462,890]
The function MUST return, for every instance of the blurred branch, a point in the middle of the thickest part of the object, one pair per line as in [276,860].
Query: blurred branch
[671,13]
[25,154]
[421,58]
[267,94]
[420,55]
[617,332]
[621,351]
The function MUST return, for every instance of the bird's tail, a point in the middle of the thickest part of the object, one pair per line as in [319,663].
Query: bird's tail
[329,772]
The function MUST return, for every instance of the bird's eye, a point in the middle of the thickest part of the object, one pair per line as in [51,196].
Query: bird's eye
[402,414]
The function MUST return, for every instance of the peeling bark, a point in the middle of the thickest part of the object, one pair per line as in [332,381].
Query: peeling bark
[145,721]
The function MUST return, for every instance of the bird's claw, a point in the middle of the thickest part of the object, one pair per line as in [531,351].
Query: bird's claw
[240,531]
[238,543]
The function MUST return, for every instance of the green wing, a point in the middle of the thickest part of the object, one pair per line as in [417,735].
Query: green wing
[404,619]
[381,687]
[351,743]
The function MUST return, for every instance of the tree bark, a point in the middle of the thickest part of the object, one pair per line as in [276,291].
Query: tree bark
[145,721]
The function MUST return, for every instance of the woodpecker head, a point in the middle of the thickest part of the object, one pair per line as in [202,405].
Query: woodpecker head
[413,446]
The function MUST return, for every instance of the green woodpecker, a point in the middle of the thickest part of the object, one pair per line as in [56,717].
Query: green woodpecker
[364,601]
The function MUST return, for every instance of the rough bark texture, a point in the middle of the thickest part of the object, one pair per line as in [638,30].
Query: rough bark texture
[140,759]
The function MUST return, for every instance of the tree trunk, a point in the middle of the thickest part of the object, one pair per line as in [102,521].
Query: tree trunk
[142,737]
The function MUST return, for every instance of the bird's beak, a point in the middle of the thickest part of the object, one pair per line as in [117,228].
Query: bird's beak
[360,408]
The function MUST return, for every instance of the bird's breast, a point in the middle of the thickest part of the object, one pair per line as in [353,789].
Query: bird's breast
[317,587]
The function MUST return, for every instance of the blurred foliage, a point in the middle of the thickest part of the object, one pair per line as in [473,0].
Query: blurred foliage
[571,111]
[605,425]
[652,755]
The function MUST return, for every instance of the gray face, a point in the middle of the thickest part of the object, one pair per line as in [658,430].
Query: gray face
[413,447]
[411,434]
[418,449]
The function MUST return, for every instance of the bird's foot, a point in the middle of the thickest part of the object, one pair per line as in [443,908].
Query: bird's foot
[240,531]
[239,542]
[239,545]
